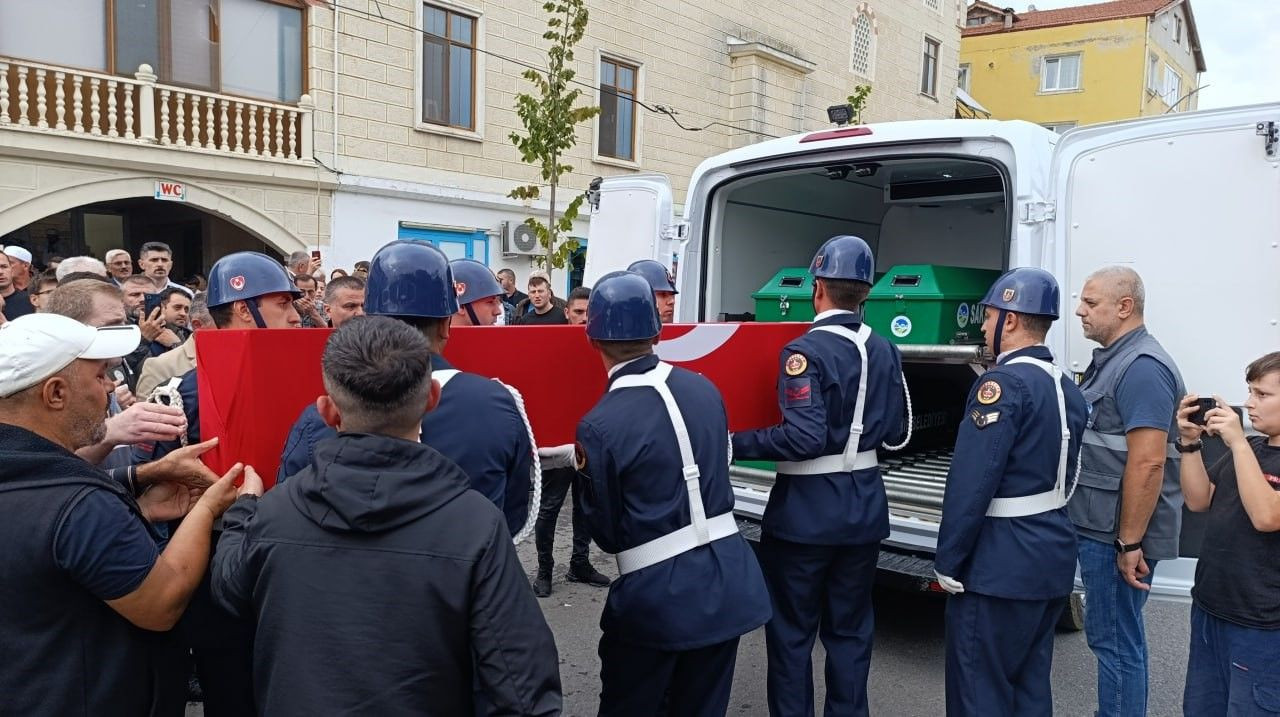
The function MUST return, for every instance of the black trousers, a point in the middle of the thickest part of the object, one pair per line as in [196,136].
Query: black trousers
[646,682]
[556,484]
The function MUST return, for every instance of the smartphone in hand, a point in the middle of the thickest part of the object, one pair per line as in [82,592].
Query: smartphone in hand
[1203,406]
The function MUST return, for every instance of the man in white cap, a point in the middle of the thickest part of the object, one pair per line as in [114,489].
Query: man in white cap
[19,266]
[13,301]
[83,574]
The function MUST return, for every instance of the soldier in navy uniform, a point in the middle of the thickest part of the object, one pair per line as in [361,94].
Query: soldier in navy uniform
[841,394]
[664,286]
[1006,548]
[654,488]
[477,424]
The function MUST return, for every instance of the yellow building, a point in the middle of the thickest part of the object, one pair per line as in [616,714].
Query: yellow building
[1081,65]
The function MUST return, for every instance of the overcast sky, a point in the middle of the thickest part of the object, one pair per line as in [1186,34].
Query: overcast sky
[1241,44]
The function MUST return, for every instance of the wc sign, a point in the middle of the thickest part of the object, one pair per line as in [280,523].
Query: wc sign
[171,191]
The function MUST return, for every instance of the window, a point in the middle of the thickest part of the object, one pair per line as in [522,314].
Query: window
[929,68]
[862,52]
[448,67]
[1172,86]
[1153,74]
[617,109]
[979,20]
[455,244]
[1059,127]
[934,5]
[1177,29]
[243,47]
[1061,73]
[962,77]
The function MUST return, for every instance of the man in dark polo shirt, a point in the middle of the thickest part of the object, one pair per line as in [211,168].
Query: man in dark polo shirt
[83,575]
[542,307]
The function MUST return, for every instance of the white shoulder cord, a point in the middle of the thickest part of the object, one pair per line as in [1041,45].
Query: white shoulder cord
[166,394]
[535,472]
[910,418]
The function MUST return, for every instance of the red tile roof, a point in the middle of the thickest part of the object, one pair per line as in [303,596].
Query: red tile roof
[1116,10]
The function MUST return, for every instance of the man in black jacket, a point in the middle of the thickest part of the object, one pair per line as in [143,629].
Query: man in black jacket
[380,583]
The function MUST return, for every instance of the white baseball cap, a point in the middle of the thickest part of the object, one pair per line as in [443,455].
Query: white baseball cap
[36,346]
[18,253]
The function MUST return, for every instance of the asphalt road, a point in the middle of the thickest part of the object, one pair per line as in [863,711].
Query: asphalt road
[906,666]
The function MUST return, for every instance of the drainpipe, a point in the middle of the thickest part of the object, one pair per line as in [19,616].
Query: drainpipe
[337,8]
[1146,63]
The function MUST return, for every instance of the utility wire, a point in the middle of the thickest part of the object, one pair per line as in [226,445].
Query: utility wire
[669,112]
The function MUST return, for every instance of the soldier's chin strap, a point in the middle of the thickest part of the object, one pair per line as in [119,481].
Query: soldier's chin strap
[995,342]
[252,305]
[471,314]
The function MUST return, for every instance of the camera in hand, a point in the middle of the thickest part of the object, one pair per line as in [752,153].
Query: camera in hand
[1203,406]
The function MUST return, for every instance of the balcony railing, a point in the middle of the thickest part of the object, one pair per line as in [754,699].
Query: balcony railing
[64,101]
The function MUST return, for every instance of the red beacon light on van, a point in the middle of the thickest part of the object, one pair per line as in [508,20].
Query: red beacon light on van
[836,134]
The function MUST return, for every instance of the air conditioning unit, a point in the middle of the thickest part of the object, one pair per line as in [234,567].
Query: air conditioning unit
[521,240]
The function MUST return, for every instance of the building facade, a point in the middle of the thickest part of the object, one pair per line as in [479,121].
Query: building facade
[343,124]
[1082,65]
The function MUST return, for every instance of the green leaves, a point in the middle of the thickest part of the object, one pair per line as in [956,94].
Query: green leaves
[549,117]
[858,100]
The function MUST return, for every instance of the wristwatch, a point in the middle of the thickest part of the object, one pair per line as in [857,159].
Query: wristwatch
[1121,547]
[1191,447]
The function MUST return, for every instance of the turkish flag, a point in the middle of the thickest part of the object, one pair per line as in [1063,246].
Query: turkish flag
[254,384]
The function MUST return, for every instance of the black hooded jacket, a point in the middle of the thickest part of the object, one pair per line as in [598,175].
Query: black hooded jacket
[382,585]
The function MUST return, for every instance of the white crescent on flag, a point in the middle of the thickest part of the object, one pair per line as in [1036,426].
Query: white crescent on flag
[700,341]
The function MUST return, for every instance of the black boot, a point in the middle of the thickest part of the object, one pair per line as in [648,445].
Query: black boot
[542,582]
[586,573]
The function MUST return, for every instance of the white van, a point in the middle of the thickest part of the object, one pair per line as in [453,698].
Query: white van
[1192,201]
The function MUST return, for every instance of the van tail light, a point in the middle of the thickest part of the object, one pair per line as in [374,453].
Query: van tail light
[836,134]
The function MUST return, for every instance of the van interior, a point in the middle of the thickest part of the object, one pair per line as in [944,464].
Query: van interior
[949,211]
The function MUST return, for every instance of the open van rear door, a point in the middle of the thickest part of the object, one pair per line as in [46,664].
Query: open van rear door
[630,219]
[1192,202]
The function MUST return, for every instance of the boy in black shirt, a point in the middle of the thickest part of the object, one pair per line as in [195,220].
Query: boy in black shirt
[1234,665]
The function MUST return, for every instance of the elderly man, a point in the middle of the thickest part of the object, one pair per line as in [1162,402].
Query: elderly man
[79,264]
[119,266]
[13,301]
[19,266]
[1127,508]
[84,576]
[344,299]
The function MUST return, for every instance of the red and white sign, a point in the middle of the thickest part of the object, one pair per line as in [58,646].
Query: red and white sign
[171,191]
[254,384]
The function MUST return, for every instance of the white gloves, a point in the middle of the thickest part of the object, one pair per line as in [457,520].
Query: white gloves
[951,585]
[562,456]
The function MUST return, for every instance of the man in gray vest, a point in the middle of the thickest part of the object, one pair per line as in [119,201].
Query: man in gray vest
[1127,508]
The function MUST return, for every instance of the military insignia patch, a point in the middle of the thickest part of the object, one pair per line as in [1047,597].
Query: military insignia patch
[579,457]
[982,420]
[1009,294]
[797,392]
[988,393]
[796,364]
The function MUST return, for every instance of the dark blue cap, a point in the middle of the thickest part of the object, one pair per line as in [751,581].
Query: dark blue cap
[1025,290]
[622,308]
[474,281]
[247,275]
[656,274]
[844,257]
[410,278]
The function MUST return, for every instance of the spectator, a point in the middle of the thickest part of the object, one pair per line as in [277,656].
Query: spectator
[361,270]
[300,263]
[575,309]
[542,307]
[424,533]
[175,313]
[155,260]
[309,310]
[344,299]
[196,282]
[157,335]
[77,264]
[84,581]
[14,302]
[19,266]
[1235,610]
[119,266]
[1127,508]
[337,273]
[176,362]
[511,296]
[135,289]
[51,264]
[46,281]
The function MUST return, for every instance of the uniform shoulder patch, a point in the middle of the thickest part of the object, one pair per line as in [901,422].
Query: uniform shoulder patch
[796,364]
[983,419]
[797,392]
[988,393]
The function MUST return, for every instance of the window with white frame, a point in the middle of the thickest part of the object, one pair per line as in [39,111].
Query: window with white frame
[1153,74]
[929,67]
[934,5]
[617,125]
[863,50]
[1060,73]
[1172,86]
[1177,29]
[1059,127]
[962,77]
[448,67]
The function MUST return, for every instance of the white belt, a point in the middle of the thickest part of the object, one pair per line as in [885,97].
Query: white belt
[830,464]
[1056,497]
[700,531]
[444,375]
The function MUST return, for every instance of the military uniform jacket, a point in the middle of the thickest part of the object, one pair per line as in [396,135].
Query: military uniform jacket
[817,389]
[476,424]
[631,490]
[1008,446]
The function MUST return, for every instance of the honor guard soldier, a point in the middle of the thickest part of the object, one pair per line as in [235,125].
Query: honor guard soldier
[247,290]
[841,393]
[1006,547]
[654,487]
[664,286]
[477,423]
[479,293]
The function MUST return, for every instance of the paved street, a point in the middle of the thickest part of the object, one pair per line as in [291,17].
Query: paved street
[907,667]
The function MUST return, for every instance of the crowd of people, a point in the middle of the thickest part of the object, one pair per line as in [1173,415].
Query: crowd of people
[379,576]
